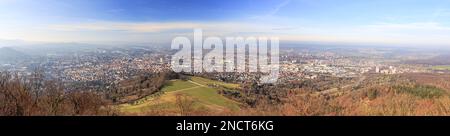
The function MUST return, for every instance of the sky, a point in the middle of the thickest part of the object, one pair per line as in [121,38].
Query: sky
[392,22]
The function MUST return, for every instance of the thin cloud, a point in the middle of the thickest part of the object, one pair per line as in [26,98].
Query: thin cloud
[274,11]
[150,27]
[278,7]
[423,26]
[440,13]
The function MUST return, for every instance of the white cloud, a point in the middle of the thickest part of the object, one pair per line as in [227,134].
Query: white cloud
[279,7]
[150,27]
[422,26]
[131,32]
[419,33]
[271,14]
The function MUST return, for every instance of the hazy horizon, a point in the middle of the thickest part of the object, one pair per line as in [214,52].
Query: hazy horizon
[381,22]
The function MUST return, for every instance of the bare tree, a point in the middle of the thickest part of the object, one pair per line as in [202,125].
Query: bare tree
[185,104]
[36,96]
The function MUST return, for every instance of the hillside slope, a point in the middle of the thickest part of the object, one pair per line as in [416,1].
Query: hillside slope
[200,92]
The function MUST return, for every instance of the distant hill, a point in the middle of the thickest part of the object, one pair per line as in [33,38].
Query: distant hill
[8,55]
[438,60]
[54,48]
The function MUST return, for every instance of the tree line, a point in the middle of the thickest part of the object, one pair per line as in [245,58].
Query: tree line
[36,96]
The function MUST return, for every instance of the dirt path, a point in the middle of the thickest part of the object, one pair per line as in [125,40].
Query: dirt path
[196,83]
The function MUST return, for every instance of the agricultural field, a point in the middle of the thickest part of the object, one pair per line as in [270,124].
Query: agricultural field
[202,92]
[441,67]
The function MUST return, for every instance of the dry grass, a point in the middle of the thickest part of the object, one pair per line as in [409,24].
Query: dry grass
[388,102]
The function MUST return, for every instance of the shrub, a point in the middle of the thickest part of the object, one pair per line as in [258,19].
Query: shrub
[422,91]
[372,94]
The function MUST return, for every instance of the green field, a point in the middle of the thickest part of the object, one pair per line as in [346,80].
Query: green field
[199,89]
[177,85]
[207,82]
[441,67]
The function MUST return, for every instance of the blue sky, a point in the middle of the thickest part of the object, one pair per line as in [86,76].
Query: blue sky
[405,22]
